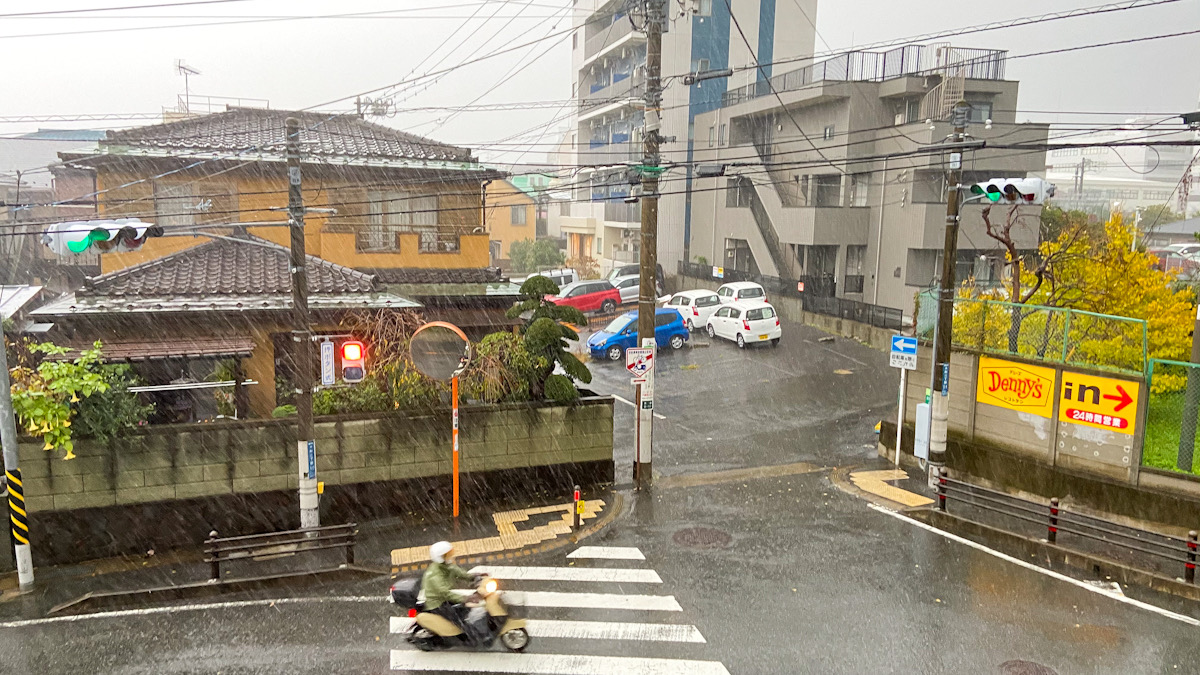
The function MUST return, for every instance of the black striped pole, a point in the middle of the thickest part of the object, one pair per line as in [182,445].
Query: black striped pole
[16,507]
[18,514]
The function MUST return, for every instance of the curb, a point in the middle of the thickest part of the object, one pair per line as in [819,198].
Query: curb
[840,477]
[614,507]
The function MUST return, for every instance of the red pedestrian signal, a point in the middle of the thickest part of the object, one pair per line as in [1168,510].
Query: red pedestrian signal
[353,356]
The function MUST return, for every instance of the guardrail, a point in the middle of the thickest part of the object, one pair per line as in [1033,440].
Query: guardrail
[1057,520]
[256,546]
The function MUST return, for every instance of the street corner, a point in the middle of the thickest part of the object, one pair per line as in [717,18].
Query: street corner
[893,488]
[521,532]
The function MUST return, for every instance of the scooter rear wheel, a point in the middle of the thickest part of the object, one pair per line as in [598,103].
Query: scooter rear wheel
[515,640]
[423,639]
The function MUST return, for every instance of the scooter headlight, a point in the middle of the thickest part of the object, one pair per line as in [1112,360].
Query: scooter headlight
[490,586]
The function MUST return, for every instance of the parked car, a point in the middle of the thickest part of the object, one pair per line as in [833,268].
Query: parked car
[629,286]
[621,334]
[1186,250]
[695,306]
[561,277]
[745,322]
[1169,260]
[634,268]
[741,290]
[588,296]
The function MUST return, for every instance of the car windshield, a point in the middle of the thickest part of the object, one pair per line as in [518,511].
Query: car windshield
[759,313]
[751,293]
[618,324]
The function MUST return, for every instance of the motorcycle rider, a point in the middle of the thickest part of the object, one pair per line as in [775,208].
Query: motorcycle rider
[438,586]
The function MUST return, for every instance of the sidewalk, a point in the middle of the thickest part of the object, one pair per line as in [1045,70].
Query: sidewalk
[376,548]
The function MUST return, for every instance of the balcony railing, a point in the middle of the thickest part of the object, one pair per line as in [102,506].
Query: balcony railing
[863,66]
[630,87]
[853,283]
[608,35]
[619,212]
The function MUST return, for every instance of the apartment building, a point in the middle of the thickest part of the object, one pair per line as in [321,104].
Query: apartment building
[609,57]
[833,178]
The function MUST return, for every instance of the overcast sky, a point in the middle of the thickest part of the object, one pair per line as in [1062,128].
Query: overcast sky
[304,63]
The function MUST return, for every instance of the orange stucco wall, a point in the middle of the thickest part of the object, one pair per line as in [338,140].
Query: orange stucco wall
[501,197]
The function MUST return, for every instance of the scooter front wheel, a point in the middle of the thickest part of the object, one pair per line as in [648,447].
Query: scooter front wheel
[515,640]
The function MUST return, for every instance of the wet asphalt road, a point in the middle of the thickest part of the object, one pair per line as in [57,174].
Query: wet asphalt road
[783,574]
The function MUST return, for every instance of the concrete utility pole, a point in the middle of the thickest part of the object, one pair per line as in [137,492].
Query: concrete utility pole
[940,405]
[18,519]
[303,358]
[1191,405]
[643,475]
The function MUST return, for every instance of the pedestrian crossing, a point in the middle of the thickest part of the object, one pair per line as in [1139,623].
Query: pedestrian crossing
[597,614]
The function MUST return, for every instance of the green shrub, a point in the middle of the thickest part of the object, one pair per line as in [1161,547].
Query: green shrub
[560,389]
[284,411]
[366,396]
[500,372]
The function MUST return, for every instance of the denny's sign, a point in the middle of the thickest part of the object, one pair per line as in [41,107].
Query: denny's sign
[1016,386]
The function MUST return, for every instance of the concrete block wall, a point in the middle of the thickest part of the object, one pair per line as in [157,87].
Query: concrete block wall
[232,458]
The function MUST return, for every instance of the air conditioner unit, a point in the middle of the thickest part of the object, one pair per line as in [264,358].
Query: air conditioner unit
[899,119]
[627,234]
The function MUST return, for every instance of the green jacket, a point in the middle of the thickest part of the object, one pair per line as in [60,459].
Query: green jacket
[438,584]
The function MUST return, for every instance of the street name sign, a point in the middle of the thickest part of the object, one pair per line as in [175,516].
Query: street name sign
[904,352]
[328,377]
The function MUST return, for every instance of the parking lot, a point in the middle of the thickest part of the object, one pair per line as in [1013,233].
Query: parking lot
[719,407]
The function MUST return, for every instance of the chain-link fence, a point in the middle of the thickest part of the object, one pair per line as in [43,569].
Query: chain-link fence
[1170,440]
[1051,334]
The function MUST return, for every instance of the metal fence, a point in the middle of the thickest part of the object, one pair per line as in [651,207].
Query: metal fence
[1050,334]
[817,295]
[1154,551]
[1170,438]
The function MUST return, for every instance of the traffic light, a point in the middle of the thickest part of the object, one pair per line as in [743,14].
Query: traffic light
[353,356]
[1014,190]
[119,236]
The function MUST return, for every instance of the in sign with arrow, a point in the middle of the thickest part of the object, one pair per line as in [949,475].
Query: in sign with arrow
[1102,402]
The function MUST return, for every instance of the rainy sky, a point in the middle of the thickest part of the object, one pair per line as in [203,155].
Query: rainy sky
[324,62]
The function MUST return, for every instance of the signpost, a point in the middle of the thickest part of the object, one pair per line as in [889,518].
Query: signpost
[718,272]
[328,377]
[639,361]
[442,351]
[904,357]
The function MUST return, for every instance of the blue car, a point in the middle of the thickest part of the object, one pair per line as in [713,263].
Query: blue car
[621,334]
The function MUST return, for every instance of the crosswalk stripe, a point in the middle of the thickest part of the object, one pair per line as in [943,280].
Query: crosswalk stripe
[549,664]
[620,576]
[651,603]
[607,553]
[592,630]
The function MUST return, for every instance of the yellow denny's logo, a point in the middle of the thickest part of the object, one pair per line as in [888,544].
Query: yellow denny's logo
[1016,386]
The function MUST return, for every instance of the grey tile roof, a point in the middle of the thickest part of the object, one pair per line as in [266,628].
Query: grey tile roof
[222,268]
[255,129]
[1189,226]
[420,275]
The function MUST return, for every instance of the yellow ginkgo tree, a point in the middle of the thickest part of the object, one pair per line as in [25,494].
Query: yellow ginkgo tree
[42,395]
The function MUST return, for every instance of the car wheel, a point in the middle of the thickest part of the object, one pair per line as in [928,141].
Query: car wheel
[608,306]
[741,341]
[690,326]
[775,342]
[614,353]
[676,342]
[711,333]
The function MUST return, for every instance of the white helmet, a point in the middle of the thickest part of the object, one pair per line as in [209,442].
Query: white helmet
[438,552]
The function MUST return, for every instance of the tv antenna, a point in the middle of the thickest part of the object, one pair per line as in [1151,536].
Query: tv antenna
[186,71]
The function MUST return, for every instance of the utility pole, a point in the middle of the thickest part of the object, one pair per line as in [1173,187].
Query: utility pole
[940,405]
[303,358]
[18,518]
[643,472]
[1191,404]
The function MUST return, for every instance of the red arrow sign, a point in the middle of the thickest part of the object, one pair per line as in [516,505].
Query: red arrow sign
[1124,399]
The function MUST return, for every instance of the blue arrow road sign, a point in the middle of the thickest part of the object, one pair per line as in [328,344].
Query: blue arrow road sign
[904,345]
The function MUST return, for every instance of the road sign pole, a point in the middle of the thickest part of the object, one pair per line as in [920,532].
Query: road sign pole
[454,435]
[900,413]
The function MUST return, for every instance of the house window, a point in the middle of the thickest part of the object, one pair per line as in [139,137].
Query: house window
[858,189]
[174,205]
[829,133]
[712,133]
[737,192]
[391,213]
[704,7]
[854,259]
[518,217]
[981,112]
[575,40]
[699,65]
[827,190]
[721,136]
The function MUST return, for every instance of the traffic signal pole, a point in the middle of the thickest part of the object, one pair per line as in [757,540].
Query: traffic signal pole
[18,518]
[647,293]
[303,358]
[940,404]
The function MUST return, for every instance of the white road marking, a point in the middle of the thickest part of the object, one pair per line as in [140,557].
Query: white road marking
[631,405]
[651,603]
[1108,593]
[616,576]
[190,608]
[550,664]
[593,630]
[607,553]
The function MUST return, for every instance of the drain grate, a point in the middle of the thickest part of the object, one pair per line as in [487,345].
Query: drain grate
[702,537]
[1018,667]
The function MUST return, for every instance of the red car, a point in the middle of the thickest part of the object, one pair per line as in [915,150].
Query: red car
[588,296]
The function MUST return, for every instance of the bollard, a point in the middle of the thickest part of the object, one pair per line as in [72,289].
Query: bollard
[214,562]
[578,508]
[1052,530]
[941,489]
[1189,572]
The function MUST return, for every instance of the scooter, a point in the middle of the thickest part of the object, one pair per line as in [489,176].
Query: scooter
[492,619]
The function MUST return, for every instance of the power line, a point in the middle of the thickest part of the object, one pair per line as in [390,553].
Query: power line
[120,9]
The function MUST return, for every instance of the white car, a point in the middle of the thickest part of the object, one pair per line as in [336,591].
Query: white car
[629,286]
[741,290]
[694,306]
[745,322]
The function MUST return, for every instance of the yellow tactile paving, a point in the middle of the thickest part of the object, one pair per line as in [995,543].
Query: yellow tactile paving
[510,538]
[873,482]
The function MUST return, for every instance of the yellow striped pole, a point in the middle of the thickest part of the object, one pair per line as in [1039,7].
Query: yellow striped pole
[18,515]
[16,507]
